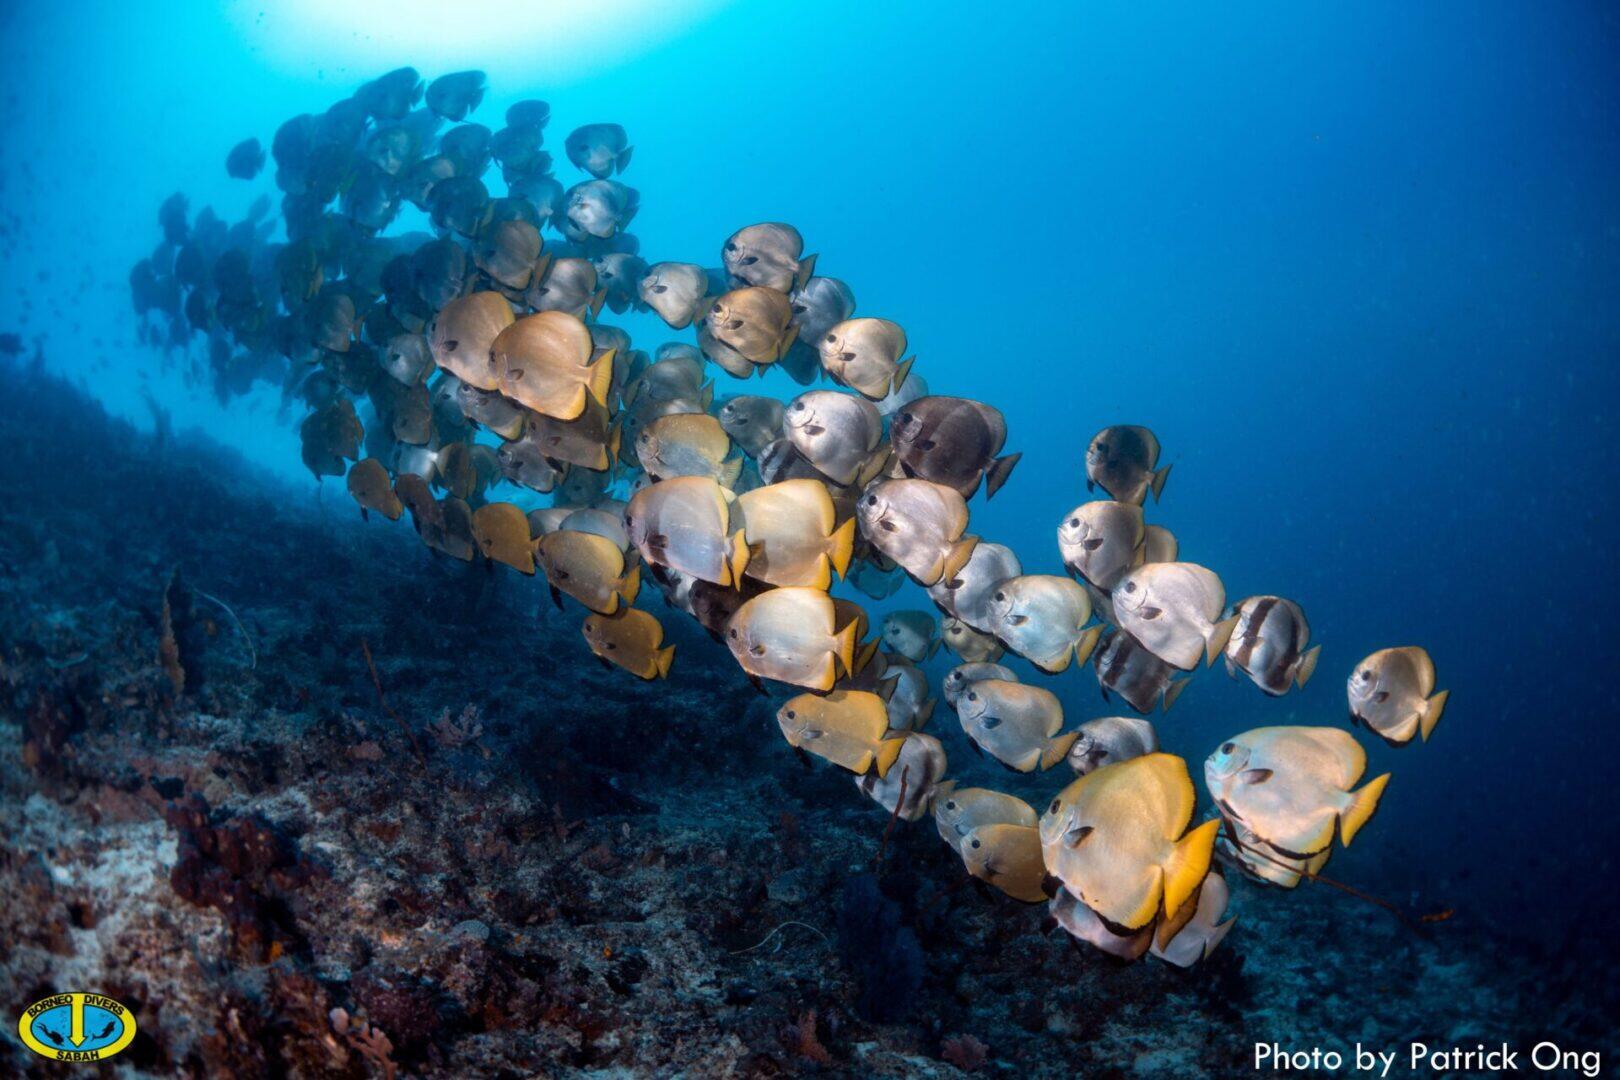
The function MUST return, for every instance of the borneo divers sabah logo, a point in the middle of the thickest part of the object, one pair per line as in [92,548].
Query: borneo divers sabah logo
[76,1027]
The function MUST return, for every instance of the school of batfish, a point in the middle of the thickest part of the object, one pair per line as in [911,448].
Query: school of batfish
[436,367]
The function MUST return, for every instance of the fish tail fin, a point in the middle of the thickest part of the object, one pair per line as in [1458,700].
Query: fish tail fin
[630,583]
[664,658]
[901,373]
[1159,478]
[864,656]
[730,472]
[1362,805]
[933,647]
[844,643]
[1188,863]
[615,440]
[541,265]
[1057,748]
[706,394]
[957,555]
[599,382]
[999,471]
[888,750]
[621,160]
[925,713]
[1307,666]
[738,559]
[843,548]
[597,300]
[787,342]
[1431,713]
[1217,934]
[1173,691]
[1087,642]
[807,270]
[1219,635]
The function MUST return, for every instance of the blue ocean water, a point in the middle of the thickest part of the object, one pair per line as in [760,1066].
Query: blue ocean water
[1356,265]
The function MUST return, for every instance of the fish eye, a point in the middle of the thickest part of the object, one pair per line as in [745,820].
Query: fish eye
[888,526]
[870,500]
[798,406]
[731,245]
[951,805]
[791,715]
[733,635]
[905,418]
[830,339]
[975,843]
[973,696]
[1227,748]
[1054,807]
[1130,586]
[1001,596]
[1366,674]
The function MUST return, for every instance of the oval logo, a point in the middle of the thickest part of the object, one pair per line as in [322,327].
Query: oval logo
[76,1027]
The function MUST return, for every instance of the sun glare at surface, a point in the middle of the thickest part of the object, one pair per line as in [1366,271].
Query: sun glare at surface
[562,38]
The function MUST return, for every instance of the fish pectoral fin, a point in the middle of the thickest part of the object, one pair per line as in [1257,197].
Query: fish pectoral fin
[1431,713]
[807,270]
[1362,805]
[1219,635]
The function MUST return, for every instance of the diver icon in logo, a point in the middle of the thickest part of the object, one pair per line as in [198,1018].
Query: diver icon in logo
[76,1027]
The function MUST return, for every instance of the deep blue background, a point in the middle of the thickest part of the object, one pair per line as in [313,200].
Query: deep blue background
[1357,266]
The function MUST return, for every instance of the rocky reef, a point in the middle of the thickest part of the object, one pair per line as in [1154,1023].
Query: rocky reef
[315,802]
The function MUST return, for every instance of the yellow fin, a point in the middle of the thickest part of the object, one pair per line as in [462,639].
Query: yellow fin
[663,659]
[599,384]
[887,751]
[787,342]
[1431,713]
[1362,805]
[1188,863]
[630,584]
[1219,635]
[1057,748]
[864,657]
[901,372]
[1087,642]
[1158,481]
[738,562]
[957,556]
[844,643]
[1307,665]
[842,545]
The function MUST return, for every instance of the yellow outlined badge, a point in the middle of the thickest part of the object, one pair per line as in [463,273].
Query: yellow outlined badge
[76,1027]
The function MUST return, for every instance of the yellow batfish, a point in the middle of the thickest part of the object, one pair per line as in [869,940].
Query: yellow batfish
[688,444]
[590,568]
[685,524]
[792,635]
[846,727]
[544,362]
[1290,787]
[631,639]
[463,332]
[792,534]
[959,811]
[755,322]
[1008,857]
[502,532]
[1117,839]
